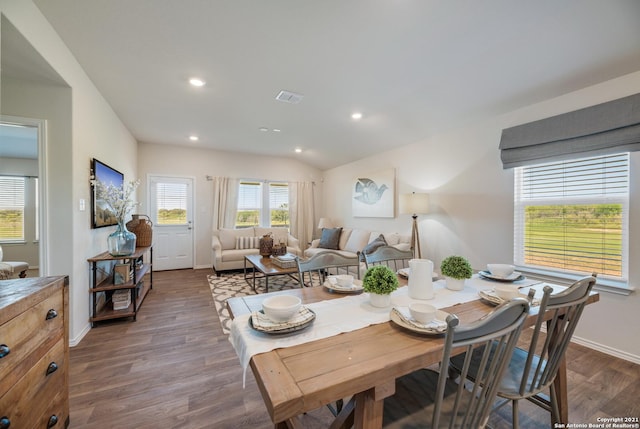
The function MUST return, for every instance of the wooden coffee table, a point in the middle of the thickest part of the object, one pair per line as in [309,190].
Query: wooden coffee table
[266,268]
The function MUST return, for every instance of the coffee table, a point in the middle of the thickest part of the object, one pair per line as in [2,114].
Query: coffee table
[266,268]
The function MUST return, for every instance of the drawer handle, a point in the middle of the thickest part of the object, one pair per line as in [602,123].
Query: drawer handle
[52,314]
[53,420]
[5,423]
[4,350]
[53,367]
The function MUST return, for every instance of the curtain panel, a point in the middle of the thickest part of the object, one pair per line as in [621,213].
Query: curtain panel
[605,128]
[225,203]
[301,212]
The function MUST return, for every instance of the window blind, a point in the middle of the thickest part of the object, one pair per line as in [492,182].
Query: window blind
[279,204]
[12,191]
[172,203]
[606,128]
[573,215]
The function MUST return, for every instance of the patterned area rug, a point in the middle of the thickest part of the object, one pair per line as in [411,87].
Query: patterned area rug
[230,285]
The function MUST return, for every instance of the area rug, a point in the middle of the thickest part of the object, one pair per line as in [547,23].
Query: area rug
[233,285]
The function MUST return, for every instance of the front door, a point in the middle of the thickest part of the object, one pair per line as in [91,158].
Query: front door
[171,211]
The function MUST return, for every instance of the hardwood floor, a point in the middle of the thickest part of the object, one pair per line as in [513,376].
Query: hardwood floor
[174,368]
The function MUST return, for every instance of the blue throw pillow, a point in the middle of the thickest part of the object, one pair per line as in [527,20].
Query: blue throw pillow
[330,238]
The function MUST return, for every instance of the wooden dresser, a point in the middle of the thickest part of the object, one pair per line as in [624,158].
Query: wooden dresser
[34,353]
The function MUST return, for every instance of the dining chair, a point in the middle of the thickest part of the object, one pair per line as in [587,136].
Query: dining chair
[9,268]
[533,370]
[325,263]
[390,256]
[426,393]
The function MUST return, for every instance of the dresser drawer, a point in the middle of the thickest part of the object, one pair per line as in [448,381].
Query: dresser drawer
[28,336]
[37,395]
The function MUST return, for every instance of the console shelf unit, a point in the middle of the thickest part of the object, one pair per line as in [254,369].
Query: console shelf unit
[140,284]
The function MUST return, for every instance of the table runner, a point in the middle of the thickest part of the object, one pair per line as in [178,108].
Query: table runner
[346,314]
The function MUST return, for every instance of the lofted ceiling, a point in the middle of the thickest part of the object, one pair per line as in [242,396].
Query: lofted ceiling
[413,68]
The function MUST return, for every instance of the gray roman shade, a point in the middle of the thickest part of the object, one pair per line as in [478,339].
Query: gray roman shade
[605,128]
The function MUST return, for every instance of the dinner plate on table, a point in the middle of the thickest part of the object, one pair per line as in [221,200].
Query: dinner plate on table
[514,277]
[333,286]
[400,320]
[286,328]
[491,297]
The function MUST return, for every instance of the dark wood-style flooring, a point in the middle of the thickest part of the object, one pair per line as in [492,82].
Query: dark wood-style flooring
[174,368]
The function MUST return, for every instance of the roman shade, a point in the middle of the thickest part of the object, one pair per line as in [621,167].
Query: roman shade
[605,128]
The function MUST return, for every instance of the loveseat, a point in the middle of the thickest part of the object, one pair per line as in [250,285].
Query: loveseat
[354,241]
[230,246]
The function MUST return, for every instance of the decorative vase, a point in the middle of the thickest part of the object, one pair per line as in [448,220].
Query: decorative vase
[454,284]
[121,242]
[142,228]
[380,300]
[266,245]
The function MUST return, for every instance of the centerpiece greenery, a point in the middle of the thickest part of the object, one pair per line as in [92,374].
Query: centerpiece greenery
[380,281]
[456,267]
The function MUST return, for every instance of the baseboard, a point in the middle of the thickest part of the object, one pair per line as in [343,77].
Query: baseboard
[75,341]
[202,267]
[607,350]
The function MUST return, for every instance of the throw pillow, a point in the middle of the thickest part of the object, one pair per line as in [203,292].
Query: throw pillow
[371,247]
[330,238]
[247,242]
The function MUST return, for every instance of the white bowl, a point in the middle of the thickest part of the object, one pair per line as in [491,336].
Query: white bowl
[501,270]
[506,292]
[344,280]
[281,308]
[423,313]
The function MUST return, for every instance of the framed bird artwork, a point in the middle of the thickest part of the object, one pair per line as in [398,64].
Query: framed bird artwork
[373,194]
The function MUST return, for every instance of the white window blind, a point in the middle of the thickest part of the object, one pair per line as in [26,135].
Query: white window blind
[279,204]
[12,191]
[249,204]
[171,200]
[572,216]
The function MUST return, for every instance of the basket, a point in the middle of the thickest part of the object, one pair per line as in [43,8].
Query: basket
[142,228]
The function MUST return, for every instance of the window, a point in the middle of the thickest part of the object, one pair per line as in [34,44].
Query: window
[171,200]
[253,196]
[572,216]
[12,208]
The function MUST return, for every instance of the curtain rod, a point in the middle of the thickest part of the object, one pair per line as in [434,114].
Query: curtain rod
[249,179]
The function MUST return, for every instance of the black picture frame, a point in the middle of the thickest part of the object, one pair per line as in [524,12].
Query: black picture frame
[101,216]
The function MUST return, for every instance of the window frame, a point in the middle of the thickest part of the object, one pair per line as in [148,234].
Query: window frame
[23,207]
[264,199]
[551,273]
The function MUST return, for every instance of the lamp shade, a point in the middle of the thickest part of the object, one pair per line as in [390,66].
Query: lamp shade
[325,222]
[414,203]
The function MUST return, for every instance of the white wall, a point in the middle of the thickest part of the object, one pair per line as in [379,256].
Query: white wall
[472,203]
[198,163]
[84,127]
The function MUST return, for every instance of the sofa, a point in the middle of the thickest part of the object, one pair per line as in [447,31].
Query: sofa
[351,242]
[230,246]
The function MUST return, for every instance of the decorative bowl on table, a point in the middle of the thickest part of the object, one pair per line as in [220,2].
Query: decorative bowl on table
[506,291]
[422,313]
[344,280]
[501,270]
[281,308]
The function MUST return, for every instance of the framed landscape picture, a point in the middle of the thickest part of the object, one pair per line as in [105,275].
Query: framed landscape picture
[100,213]
[373,194]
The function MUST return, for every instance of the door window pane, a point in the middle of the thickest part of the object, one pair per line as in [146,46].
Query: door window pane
[172,203]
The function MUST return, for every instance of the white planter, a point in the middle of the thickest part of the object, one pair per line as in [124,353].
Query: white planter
[380,301]
[454,284]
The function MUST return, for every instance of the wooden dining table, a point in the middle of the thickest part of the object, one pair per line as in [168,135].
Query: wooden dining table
[362,364]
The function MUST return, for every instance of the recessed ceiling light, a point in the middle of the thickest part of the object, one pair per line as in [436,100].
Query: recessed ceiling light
[194,138]
[196,81]
[276,130]
[298,150]
[356,115]
[263,129]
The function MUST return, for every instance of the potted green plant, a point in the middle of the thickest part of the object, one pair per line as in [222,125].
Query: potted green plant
[455,269]
[380,281]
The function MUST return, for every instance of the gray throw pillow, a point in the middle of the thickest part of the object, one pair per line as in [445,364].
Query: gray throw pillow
[371,247]
[330,238]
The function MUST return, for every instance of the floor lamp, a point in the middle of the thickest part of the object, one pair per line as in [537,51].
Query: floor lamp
[414,204]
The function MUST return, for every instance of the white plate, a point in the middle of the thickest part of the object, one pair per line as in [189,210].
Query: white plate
[514,277]
[398,320]
[333,286]
[404,272]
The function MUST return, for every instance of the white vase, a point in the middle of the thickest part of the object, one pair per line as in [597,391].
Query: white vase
[454,284]
[380,300]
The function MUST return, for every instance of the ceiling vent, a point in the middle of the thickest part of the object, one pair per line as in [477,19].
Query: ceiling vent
[289,97]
